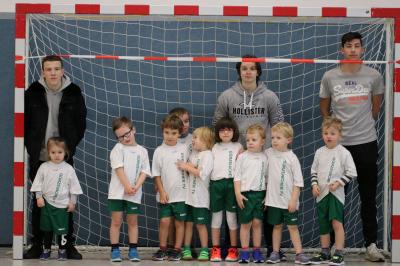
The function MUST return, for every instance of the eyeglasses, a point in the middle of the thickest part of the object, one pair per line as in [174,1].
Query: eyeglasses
[124,136]
[222,130]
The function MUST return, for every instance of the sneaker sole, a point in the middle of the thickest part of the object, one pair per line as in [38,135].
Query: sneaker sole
[273,261]
[135,259]
[116,260]
[216,260]
[231,260]
[302,263]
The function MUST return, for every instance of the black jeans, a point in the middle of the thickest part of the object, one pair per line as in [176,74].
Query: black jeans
[37,234]
[365,157]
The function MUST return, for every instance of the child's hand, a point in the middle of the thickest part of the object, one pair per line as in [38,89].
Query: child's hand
[40,202]
[333,186]
[316,191]
[292,205]
[240,200]
[71,207]
[181,165]
[163,197]
[129,190]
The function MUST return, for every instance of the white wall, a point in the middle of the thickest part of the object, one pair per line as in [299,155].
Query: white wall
[9,5]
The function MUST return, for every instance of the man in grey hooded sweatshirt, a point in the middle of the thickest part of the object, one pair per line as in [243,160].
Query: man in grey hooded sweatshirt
[54,107]
[249,102]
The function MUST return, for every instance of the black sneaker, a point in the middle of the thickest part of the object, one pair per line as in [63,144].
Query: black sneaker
[282,255]
[33,252]
[337,260]
[174,255]
[160,255]
[73,254]
[320,258]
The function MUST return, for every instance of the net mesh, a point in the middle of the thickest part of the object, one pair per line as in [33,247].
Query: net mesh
[147,90]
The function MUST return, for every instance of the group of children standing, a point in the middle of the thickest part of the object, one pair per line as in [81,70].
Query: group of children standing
[194,176]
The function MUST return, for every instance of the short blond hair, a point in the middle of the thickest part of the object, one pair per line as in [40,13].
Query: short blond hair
[206,135]
[256,128]
[332,122]
[284,128]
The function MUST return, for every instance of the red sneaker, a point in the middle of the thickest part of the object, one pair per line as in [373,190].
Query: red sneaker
[233,255]
[216,254]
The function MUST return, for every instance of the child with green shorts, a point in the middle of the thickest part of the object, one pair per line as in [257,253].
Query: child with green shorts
[285,180]
[171,184]
[249,183]
[199,167]
[222,193]
[332,169]
[130,167]
[56,187]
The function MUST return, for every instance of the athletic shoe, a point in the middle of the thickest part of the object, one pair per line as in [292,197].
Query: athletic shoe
[34,252]
[274,257]
[216,254]
[373,254]
[257,256]
[174,255]
[62,254]
[302,259]
[116,255]
[204,255]
[336,260]
[133,255]
[73,253]
[160,255]
[187,254]
[282,255]
[233,255]
[45,254]
[320,258]
[244,257]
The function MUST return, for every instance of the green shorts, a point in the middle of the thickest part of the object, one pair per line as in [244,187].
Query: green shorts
[329,208]
[198,215]
[128,207]
[253,207]
[175,209]
[222,195]
[53,219]
[279,216]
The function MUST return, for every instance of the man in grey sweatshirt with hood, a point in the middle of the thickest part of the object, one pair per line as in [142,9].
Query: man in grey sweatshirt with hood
[249,102]
[54,107]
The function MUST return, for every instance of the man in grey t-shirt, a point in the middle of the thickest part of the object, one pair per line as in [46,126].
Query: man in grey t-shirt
[354,93]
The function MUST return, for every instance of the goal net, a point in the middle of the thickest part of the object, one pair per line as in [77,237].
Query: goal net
[147,90]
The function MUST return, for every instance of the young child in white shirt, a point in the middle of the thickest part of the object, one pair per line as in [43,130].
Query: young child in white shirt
[199,167]
[249,184]
[332,169]
[56,187]
[285,180]
[130,167]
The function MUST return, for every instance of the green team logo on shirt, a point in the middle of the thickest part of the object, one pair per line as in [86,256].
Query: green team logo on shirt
[282,182]
[60,176]
[331,169]
[230,162]
[183,173]
[262,177]
[137,169]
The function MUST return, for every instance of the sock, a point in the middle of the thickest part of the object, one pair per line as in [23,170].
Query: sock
[114,246]
[325,251]
[217,246]
[339,252]
[132,245]
[163,248]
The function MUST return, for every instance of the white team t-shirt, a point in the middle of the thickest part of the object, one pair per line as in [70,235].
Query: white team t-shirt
[330,165]
[187,141]
[134,160]
[251,171]
[225,155]
[164,164]
[57,181]
[284,172]
[198,193]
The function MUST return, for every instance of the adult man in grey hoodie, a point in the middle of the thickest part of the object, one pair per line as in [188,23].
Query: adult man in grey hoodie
[54,107]
[249,102]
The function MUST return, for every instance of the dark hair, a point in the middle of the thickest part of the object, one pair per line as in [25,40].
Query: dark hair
[59,142]
[120,121]
[172,121]
[52,58]
[226,122]
[348,37]
[179,111]
[258,67]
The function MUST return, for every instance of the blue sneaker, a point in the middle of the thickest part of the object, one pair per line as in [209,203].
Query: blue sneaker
[62,254]
[133,254]
[45,254]
[244,257]
[257,256]
[116,255]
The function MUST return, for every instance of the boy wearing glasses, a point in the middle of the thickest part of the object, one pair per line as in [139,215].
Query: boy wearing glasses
[130,167]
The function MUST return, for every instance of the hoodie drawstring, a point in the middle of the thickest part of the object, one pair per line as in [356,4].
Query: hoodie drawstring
[245,105]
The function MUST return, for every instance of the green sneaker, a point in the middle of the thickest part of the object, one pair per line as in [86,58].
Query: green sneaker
[204,255]
[187,254]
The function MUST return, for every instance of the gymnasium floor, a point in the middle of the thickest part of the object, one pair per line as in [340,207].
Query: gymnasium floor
[101,258]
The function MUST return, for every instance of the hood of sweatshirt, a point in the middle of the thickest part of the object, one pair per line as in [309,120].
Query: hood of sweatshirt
[66,81]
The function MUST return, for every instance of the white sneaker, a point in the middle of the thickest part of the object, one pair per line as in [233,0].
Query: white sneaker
[373,254]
